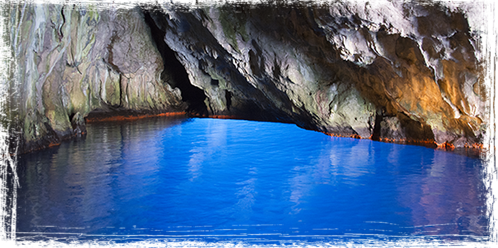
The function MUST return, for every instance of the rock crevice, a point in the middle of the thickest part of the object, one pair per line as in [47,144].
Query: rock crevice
[174,73]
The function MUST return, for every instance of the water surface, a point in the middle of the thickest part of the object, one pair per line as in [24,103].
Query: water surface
[216,180]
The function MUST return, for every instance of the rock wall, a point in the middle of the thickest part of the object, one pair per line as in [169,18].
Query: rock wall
[396,71]
[399,71]
[72,60]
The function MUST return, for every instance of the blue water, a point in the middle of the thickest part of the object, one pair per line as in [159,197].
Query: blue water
[217,180]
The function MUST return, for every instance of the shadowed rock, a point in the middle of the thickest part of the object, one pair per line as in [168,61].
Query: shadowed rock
[398,72]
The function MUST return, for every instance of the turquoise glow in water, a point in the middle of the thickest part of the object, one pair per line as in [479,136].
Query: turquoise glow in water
[211,180]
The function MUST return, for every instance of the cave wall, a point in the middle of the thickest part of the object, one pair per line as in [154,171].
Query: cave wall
[399,71]
[72,60]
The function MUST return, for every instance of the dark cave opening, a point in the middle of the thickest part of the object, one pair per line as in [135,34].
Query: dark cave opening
[174,72]
[376,127]
[228,97]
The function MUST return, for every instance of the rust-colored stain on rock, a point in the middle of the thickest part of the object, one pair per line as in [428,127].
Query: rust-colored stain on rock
[132,117]
[6,155]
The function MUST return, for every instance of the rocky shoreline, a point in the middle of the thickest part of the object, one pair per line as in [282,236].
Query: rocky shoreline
[397,72]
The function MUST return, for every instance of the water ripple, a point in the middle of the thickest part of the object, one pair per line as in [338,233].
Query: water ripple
[227,179]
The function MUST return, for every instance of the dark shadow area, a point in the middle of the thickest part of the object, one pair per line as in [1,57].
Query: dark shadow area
[415,130]
[174,73]
[228,97]
[376,127]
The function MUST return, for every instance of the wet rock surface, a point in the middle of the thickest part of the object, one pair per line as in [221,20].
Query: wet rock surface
[395,72]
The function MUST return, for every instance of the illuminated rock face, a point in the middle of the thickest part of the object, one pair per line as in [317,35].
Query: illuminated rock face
[406,72]
[396,71]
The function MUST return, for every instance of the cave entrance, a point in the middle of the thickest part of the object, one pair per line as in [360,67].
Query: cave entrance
[174,72]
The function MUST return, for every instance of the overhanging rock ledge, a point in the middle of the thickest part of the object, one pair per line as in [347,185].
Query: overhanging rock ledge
[393,71]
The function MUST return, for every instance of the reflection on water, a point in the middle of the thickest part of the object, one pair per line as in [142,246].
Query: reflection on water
[230,179]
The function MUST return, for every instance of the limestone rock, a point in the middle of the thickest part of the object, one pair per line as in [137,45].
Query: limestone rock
[72,60]
[400,71]
[342,68]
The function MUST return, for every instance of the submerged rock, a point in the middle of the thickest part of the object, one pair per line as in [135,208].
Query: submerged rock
[396,71]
